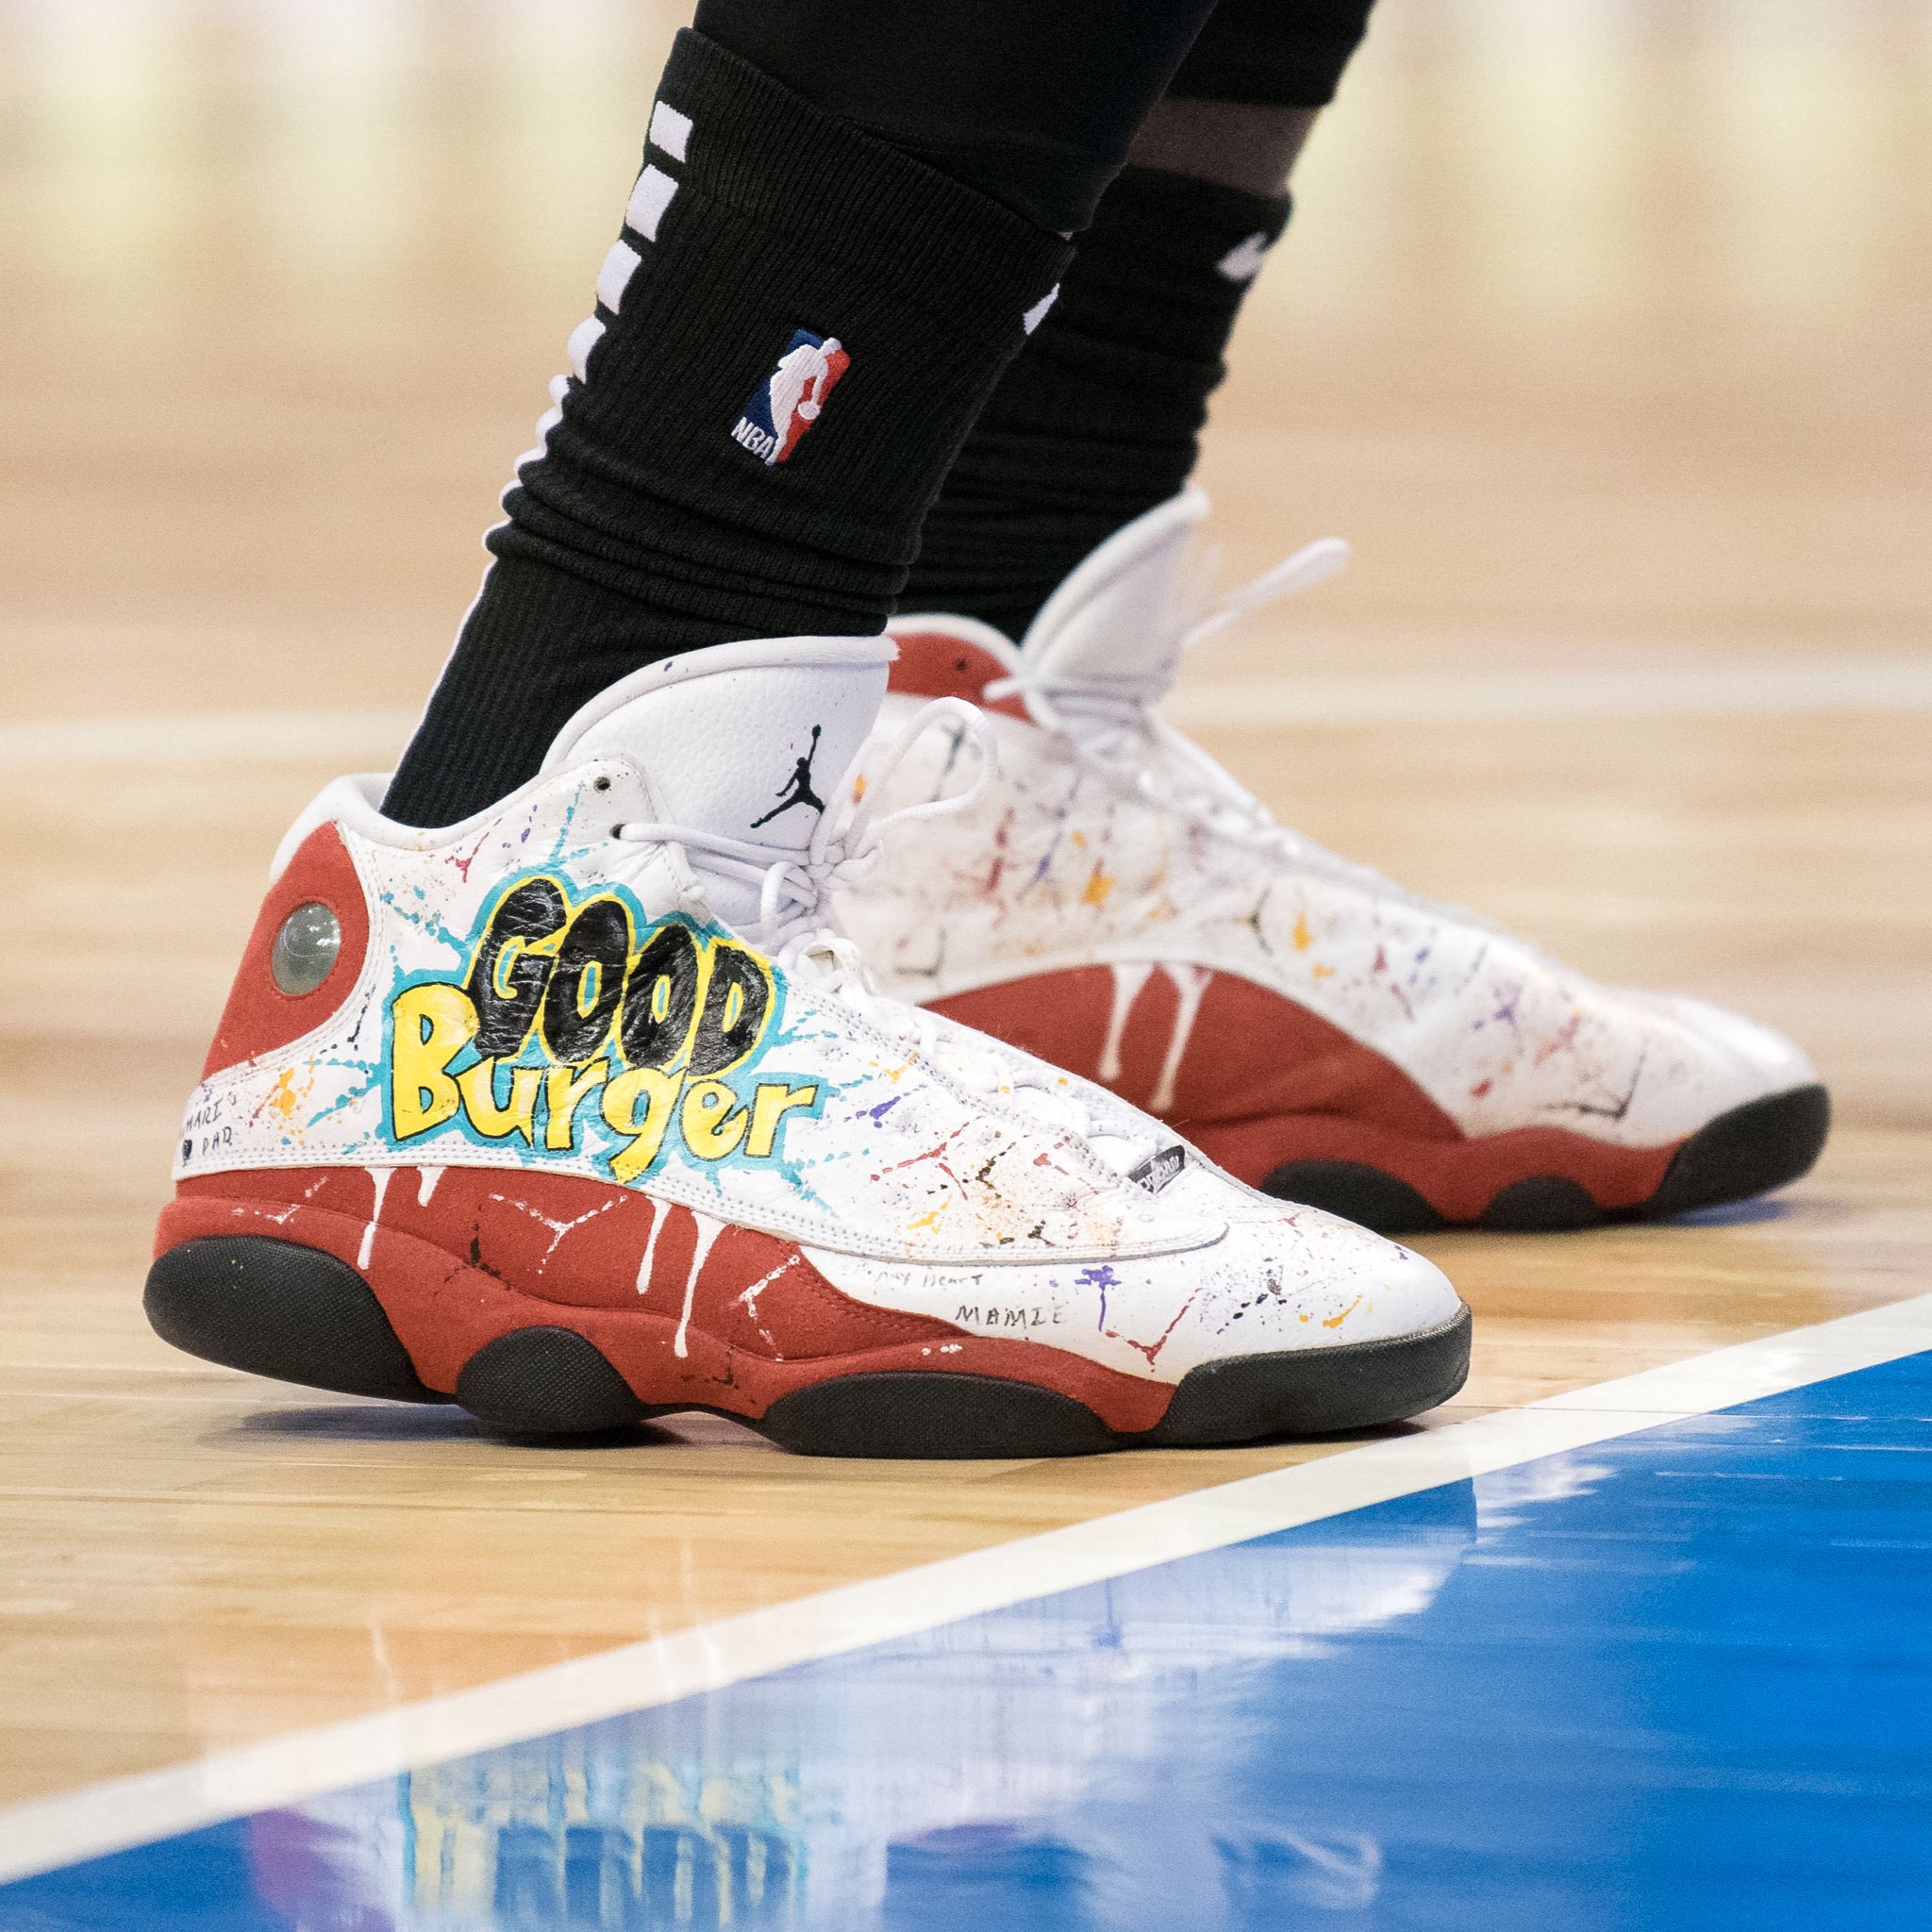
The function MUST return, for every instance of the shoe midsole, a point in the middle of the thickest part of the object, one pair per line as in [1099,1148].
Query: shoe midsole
[443,1308]
[1458,1178]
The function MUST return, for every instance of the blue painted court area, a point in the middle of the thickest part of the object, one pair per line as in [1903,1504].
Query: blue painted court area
[1681,1680]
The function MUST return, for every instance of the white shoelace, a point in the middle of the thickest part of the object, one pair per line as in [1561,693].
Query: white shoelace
[1109,725]
[797,926]
[1109,721]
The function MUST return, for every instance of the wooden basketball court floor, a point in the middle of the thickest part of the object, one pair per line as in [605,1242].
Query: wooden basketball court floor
[1603,331]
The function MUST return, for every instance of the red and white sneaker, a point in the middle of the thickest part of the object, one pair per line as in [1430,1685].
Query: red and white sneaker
[1117,903]
[579,1112]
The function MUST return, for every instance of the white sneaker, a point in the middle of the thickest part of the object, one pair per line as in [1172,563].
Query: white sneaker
[581,1110]
[1115,902]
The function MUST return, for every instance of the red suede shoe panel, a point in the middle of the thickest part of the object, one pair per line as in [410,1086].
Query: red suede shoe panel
[785,1324]
[585,1243]
[934,664]
[1260,1081]
[260,1016]
[1244,1052]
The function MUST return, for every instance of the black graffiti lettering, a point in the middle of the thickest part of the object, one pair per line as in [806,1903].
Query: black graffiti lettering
[660,999]
[588,981]
[684,1004]
[736,1003]
[505,984]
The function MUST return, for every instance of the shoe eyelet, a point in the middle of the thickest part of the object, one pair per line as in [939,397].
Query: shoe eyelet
[600,784]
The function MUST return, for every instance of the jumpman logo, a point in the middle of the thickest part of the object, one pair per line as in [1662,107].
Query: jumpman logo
[797,788]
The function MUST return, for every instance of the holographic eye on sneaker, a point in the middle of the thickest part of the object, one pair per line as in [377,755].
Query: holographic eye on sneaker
[305,949]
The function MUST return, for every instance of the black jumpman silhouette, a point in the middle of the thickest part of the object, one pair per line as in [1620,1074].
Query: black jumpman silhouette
[798,785]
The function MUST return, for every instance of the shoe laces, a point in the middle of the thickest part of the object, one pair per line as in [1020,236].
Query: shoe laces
[1109,725]
[798,926]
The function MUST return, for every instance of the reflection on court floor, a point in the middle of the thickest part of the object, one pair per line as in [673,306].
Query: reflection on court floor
[1680,1679]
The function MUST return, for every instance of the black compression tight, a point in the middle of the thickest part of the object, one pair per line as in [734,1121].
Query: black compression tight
[1034,102]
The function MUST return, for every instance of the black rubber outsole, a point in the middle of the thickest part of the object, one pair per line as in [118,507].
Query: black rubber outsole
[299,1315]
[274,1308]
[1748,1151]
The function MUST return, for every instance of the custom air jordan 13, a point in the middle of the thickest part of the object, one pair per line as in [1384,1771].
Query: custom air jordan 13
[1115,902]
[580,1111]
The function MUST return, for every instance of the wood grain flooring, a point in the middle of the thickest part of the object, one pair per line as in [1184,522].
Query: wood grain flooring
[1603,334]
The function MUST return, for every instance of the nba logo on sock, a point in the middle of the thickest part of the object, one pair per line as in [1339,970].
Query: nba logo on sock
[789,400]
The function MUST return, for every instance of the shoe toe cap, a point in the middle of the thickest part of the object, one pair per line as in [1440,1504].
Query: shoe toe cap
[1704,1060]
[1757,1055]
[1297,1277]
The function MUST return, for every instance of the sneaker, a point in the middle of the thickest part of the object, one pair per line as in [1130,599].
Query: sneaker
[1116,904]
[581,1111]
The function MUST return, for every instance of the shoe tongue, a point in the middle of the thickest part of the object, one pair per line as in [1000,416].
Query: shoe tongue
[749,740]
[1119,622]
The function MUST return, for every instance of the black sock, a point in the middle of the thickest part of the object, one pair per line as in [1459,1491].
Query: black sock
[1099,417]
[769,253]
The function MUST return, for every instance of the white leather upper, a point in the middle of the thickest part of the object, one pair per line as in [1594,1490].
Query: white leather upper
[913,1178]
[1109,840]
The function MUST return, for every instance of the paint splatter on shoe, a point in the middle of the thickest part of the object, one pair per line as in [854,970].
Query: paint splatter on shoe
[584,1109]
[1117,903]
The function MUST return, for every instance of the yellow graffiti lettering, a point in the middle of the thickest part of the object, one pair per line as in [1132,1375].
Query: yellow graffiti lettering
[590,987]
[511,950]
[496,1121]
[430,1025]
[773,1101]
[564,1088]
[501,984]
[690,1004]
[712,1120]
[638,1103]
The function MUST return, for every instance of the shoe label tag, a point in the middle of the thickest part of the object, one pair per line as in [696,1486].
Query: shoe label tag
[1159,1169]
[778,414]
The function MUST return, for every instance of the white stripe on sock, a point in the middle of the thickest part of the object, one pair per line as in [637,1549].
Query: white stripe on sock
[615,277]
[1245,259]
[583,338]
[669,131]
[1037,314]
[648,201]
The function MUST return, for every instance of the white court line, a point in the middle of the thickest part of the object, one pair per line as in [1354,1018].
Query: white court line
[372,738]
[1902,683]
[337,737]
[106,1817]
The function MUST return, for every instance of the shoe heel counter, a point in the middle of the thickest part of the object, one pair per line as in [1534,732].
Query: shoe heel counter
[957,659]
[261,1014]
